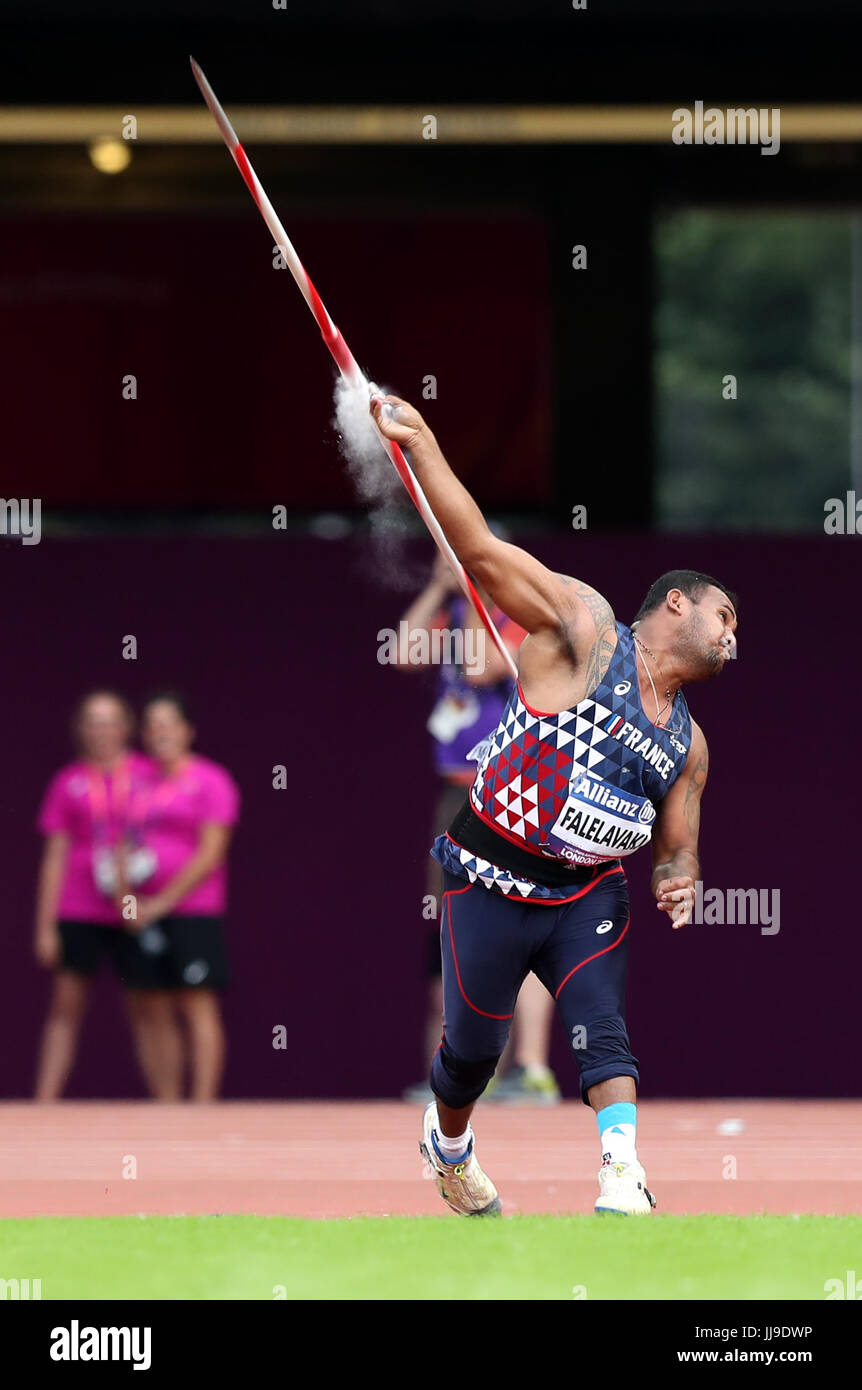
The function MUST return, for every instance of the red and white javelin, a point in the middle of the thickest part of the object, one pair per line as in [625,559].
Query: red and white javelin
[344,359]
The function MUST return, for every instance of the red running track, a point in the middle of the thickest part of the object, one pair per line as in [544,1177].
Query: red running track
[319,1159]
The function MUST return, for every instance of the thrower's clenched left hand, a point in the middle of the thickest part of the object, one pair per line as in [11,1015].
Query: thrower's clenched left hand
[675,896]
[403,424]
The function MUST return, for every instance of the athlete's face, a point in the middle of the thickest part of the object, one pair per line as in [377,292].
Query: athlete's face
[165,734]
[707,640]
[103,728]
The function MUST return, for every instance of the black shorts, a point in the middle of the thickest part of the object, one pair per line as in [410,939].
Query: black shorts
[184,953]
[85,944]
[176,953]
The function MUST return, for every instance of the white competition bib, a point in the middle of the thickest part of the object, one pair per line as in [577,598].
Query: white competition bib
[599,822]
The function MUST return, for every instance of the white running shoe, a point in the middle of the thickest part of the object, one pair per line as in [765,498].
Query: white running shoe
[463,1186]
[623,1189]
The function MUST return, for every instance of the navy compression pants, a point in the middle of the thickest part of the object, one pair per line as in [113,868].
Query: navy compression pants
[489,944]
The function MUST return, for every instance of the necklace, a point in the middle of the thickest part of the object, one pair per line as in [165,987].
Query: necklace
[659,712]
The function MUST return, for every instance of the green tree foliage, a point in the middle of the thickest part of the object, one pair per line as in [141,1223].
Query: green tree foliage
[764,297]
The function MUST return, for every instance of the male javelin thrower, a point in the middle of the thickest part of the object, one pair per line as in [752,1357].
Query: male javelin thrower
[595,756]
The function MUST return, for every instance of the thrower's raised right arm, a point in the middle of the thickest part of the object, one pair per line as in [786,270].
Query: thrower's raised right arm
[525,589]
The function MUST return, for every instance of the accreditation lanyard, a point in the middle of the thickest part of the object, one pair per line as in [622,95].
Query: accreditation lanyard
[101,804]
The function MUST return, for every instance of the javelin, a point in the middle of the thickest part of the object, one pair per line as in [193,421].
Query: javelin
[344,359]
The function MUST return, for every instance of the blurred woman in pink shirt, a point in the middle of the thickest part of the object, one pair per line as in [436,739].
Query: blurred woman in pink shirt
[185,819]
[83,818]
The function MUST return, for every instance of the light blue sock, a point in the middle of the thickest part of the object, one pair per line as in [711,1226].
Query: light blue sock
[618,1132]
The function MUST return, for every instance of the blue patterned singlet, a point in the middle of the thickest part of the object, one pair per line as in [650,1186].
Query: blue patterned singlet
[580,787]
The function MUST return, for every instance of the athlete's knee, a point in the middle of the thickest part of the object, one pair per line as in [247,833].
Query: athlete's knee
[458,1081]
[600,1041]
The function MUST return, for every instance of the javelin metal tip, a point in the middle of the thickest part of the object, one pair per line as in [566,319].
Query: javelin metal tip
[229,135]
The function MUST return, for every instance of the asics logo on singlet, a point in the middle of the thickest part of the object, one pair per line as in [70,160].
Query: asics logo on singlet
[604,927]
[623,688]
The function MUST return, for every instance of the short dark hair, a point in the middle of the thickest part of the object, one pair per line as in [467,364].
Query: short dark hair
[692,583]
[169,697]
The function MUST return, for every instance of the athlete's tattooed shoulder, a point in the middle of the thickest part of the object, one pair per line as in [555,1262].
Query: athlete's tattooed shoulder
[596,660]
[598,607]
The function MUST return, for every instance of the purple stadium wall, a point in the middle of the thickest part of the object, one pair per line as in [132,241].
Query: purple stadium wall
[275,643]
